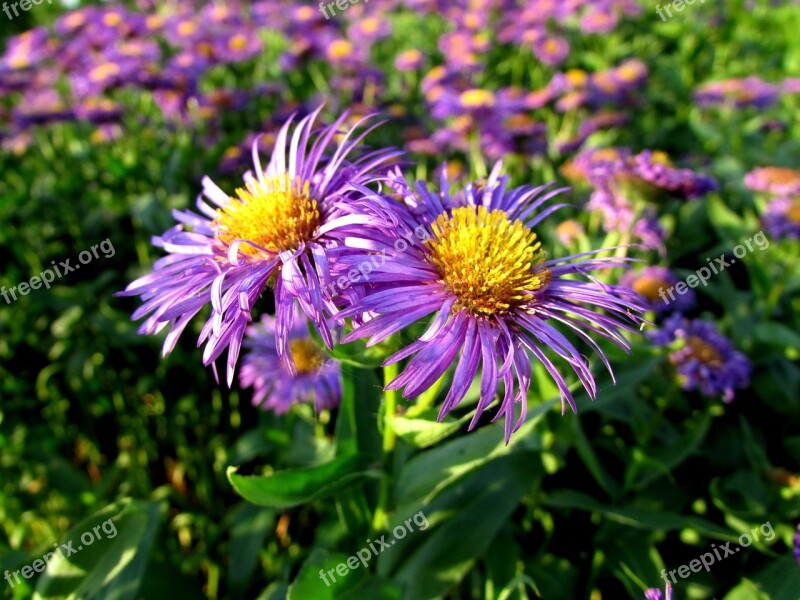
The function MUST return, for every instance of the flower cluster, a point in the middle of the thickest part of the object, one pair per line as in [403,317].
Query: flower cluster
[491,298]
[704,359]
[627,186]
[781,218]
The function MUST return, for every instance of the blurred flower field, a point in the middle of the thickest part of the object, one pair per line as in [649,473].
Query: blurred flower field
[400,300]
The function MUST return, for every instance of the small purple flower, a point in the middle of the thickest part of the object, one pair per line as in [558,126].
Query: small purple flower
[316,377]
[278,232]
[654,168]
[704,359]
[409,60]
[796,544]
[781,219]
[779,181]
[652,284]
[655,593]
[480,271]
[738,93]
[551,50]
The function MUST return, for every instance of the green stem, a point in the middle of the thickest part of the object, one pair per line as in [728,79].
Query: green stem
[389,442]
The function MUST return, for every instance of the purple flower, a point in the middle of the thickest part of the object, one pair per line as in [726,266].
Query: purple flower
[277,387]
[796,543]
[652,283]
[409,60]
[494,298]
[277,232]
[774,180]
[704,359]
[782,218]
[738,93]
[655,593]
[551,50]
[654,168]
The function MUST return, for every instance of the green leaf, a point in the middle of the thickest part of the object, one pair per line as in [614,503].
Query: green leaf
[589,457]
[355,423]
[315,581]
[425,431]
[284,489]
[108,568]
[778,335]
[462,530]
[250,526]
[727,223]
[778,581]
[425,475]
[638,517]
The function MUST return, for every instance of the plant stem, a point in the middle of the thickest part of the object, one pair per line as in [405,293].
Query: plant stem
[389,441]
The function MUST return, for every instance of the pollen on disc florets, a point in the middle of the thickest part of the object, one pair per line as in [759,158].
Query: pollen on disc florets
[492,264]
[277,215]
[308,358]
[702,351]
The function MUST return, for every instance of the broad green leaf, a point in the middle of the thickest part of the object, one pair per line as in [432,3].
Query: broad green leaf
[780,580]
[319,579]
[425,431]
[461,532]
[425,475]
[249,528]
[284,489]
[111,566]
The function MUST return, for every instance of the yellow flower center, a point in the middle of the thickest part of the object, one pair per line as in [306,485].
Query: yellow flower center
[577,77]
[370,25]
[112,19]
[153,22]
[104,71]
[186,28]
[477,99]
[701,351]
[237,42]
[648,286]
[780,175]
[308,358]
[279,215]
[489,262]
[340,49]
[74,20]
[793,214]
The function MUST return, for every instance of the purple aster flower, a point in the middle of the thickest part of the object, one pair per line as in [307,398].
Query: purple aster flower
[649,231]
[739,93]
[796,543]
[704,359]
[277,232]
[655,593]
[774,180]
[654,168]
[276,386]
[494,298]
[570,232]
[597,20]
[551,50]
[782,218]
[652,283]
[409,60]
